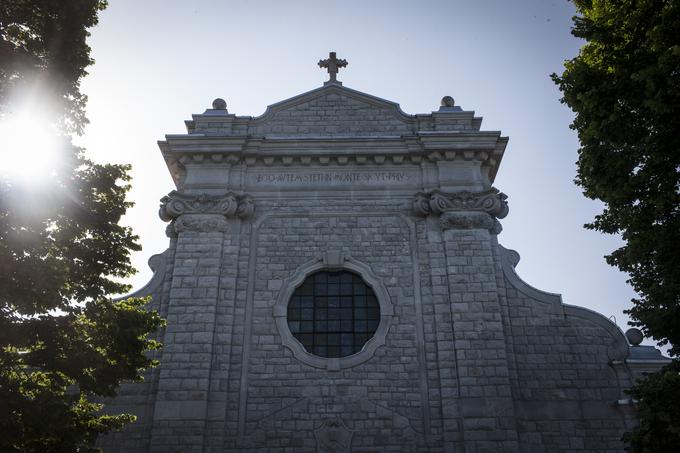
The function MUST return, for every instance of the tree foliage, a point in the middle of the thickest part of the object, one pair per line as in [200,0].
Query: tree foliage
[624,87]
[64,343]
[657,408]
[44,40]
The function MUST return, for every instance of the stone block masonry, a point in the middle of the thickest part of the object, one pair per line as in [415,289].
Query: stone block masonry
[466,356]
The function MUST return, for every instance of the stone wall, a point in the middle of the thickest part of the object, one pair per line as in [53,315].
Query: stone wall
[473,359]
[467,357]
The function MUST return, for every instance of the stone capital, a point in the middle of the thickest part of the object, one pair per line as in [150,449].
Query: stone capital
[492,202]
[176,204]
[205,223]
[467,220]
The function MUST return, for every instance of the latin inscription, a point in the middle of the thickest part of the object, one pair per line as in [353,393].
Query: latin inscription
[332,177]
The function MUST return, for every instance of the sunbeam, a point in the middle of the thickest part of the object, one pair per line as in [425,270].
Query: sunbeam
[29,145]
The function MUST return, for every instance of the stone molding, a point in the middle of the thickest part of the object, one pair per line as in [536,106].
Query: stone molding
[230,205]
[466,221]
[463,209]
[180,151]
[204,223]
[158,264]
[436,202]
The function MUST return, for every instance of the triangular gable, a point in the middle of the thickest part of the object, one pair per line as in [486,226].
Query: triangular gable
[333,110]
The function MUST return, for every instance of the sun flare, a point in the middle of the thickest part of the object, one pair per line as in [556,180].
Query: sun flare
[29,146]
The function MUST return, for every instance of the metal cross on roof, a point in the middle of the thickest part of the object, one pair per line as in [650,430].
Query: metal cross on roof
[333,65]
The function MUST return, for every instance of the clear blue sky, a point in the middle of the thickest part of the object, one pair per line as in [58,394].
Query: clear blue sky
[157,62]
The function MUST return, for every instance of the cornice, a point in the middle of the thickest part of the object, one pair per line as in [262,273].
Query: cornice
[194,149]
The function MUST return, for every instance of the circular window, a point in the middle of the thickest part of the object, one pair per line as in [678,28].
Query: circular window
[333,314]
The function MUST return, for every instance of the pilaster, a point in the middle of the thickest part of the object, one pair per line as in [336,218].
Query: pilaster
[477,405]
[203,286]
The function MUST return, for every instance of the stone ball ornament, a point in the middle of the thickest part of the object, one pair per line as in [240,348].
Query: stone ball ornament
[634,336]
[448,101]
[219,104]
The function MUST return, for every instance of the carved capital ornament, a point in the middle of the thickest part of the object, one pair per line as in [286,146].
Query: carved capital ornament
[176,204]
[466,221]
[464,209]
[491,201]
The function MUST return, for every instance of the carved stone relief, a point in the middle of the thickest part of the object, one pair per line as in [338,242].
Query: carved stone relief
[200,222]
[229,204]
[466,221]
[333,437]
[464,210]
[491,201]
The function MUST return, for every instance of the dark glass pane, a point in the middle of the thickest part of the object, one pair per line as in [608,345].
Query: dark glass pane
[334,339]
[333,314]
[293,315]
[333,289]
[305,338]
[307,302]
[320,314]
[307,288]
[346,339]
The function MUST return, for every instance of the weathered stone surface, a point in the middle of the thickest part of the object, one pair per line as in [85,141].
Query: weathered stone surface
[470,358]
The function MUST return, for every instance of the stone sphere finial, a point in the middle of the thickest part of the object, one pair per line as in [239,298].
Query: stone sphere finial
[634,336]
[447,101]
[219,104]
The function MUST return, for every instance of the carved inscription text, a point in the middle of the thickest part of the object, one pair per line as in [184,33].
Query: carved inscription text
[332,178]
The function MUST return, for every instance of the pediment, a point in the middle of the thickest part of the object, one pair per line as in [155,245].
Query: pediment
[333,110]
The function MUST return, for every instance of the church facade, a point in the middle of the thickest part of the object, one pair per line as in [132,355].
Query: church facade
[335,283]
